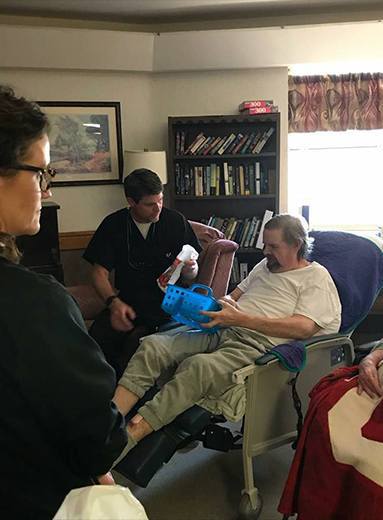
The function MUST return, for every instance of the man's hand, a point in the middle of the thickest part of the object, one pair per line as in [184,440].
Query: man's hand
[368,374]
[121,315]
[228,316]
[106,480]
[228,299]
[190,269]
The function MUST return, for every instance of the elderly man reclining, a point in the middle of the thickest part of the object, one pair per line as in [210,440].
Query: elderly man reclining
[285,297]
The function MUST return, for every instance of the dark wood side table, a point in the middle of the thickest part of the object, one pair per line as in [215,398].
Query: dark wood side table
[41,252]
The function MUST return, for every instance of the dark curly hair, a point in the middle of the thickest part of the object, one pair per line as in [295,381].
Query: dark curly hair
[21,123]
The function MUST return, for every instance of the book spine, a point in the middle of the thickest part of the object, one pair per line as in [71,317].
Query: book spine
[199,143]
[234,143]
[257,178]
[211,145]
[266,136]
[226,143]
[197,138]
[226,177]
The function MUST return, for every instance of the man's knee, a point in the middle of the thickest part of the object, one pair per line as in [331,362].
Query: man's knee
[200,365]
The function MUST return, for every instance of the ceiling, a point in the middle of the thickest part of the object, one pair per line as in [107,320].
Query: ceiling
[171,14]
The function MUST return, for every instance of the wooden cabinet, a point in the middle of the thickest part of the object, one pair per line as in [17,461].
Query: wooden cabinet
[41,252]
[247,178]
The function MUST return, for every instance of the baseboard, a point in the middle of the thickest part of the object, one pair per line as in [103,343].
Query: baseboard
[74,240]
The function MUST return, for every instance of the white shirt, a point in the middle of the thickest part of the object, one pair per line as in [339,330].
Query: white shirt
[308,291]
[143,227]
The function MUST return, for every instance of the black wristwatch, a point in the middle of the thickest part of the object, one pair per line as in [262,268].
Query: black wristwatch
[109,300]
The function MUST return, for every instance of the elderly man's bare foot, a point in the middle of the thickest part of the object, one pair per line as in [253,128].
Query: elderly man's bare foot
[138,428]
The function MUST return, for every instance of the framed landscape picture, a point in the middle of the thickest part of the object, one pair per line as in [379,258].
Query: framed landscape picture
[85,139]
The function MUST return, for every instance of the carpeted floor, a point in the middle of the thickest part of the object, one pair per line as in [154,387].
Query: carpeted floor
[206,485]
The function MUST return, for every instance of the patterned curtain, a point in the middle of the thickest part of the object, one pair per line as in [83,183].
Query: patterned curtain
[346,102]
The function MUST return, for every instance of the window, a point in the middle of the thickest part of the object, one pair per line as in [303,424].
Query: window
[339,175]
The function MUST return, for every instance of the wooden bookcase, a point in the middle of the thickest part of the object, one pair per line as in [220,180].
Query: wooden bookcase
[184,168]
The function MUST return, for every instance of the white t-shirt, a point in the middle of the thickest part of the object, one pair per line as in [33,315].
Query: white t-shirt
[309,291]
[143,227]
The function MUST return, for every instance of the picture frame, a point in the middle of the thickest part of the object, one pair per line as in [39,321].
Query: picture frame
[85,140]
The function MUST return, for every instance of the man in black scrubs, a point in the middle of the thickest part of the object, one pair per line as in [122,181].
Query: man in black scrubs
[137,243]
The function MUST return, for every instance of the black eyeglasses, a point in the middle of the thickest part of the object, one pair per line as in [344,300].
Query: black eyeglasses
[46,174]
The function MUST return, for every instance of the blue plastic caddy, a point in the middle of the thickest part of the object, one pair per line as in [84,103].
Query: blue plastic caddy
[184,305]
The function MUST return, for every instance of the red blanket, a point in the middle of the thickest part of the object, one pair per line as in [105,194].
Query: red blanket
[337,471]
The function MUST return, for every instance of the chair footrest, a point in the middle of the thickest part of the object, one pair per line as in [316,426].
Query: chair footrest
[145,459]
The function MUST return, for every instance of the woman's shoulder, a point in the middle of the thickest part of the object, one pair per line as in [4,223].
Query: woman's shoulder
[27,284]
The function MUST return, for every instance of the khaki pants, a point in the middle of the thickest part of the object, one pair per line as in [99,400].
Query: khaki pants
[203,365]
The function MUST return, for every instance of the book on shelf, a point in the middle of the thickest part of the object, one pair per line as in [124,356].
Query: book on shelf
[198,145]
[247,179]
[229,139]
[271,180]
[218,179]
[218,145]
[255,103]
[195,140]
[240,144]
[180,142]
[213,179]
[230,174]
[241,180]
[247,143]
[263,140]
[243,271]
[203,146]
[264,181]
[226,178]
[234,277]
[260,110]
[211,145]
[257,178]
[250,235]
[255,233]
[237,139]
[246,225]
[266,217]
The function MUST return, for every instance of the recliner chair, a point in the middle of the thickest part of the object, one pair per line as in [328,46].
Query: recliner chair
[356,265]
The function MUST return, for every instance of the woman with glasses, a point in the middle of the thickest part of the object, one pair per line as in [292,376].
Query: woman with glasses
[59,429]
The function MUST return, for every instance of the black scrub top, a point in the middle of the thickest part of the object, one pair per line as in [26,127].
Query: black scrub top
[119,245]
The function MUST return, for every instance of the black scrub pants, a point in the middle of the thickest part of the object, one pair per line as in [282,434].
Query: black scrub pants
[118,347]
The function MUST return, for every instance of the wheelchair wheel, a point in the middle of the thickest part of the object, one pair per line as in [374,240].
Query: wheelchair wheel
[246,512]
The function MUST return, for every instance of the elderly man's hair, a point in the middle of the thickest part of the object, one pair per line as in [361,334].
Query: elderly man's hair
[294,232]
[140,183]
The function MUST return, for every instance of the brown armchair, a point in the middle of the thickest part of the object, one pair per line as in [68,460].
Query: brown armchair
[215,263]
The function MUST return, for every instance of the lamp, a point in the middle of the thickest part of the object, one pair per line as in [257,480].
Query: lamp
[151,160]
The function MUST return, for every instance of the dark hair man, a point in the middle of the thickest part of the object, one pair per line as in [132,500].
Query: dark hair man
[137,243]
[285,297]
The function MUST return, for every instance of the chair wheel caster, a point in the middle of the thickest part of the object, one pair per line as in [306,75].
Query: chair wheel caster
[246,511]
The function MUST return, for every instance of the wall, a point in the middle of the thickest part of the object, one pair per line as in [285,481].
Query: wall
[220,92]
[228,66]
[83,207]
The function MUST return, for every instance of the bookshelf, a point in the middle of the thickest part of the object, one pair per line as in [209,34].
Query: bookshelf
[226,167]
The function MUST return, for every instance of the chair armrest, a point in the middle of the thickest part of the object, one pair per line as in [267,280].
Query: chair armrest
[239,376]
[216,264]
[88,300]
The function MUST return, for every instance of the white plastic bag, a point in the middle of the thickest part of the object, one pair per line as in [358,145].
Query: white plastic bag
[173,272]
[101,503]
